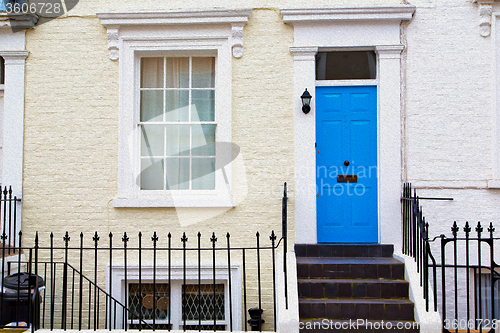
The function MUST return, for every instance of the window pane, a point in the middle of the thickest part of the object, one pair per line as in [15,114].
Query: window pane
[2,68]
[203,73]
[152,73]
[178,140]
[177,73]
[177,108]
[152,140]
[152,174]
[346,65]
[152,105]
[203,105]
[177,173]
[203,140]
[203,174]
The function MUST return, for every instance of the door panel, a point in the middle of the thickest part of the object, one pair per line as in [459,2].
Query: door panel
[346,164]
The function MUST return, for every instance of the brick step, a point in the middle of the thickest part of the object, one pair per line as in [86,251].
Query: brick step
[368,326]
[350,268]
[344,250]
[367,309]
[351,288]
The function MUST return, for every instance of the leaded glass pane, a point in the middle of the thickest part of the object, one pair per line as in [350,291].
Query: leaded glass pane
[152,105]
[152,73]
[152,174]
[141,302]
[192,305]
[177,75]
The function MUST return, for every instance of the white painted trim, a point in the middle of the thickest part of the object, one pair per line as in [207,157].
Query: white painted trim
[287,319]
[177,277]
[429,322]
[17,21]
[368,28]
[345,83]
[495,182]
[13,118]
[115,21]
[397,13]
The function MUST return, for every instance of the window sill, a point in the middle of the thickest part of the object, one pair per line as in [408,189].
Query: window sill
[214,200]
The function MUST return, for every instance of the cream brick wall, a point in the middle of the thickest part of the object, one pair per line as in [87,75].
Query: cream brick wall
[71,141]
[72,132]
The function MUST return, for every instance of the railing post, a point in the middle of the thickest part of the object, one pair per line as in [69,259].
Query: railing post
[184,239]
[125,240]
[108,304]
[491,230]
[230,287]
[273,240]
[214,240]
[443,281]
[285,242]
[454,231]
[467,230]
[66,239]
[479,230]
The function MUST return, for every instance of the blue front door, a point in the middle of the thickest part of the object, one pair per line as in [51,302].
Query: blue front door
[346,164]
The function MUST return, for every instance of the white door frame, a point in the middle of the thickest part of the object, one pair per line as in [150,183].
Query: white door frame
[376,28]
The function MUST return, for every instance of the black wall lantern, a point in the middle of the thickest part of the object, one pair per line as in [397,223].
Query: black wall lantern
[306,101]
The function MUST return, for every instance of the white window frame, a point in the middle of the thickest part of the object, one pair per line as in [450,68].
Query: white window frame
[216,33]
[118,290]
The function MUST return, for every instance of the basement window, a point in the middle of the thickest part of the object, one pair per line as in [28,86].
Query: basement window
[346,65]
[143,305]
[485,300]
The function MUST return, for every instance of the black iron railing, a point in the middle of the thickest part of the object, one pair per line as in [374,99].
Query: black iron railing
[141,280]
[464,281]
[9,218]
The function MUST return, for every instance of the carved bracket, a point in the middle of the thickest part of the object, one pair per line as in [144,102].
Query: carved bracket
[114,21]
[237,40]
[113,41]
[485,12]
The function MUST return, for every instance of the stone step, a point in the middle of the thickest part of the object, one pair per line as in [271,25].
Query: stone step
[354,309]
[368,326]
[349,268]
[350,288]
[344,250]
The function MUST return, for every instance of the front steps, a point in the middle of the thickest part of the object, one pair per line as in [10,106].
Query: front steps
[352,288]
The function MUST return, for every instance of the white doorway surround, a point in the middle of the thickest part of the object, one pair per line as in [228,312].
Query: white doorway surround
[335,29]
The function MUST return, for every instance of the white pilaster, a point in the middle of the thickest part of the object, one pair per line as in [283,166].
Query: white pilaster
[305,152]
[389,134]
[13,119]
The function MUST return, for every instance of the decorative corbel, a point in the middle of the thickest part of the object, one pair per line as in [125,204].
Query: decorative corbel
[113,41]
[485,12]
[237,40]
